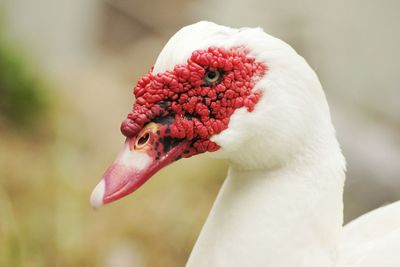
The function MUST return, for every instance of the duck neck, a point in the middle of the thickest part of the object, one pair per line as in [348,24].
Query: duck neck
[287,216]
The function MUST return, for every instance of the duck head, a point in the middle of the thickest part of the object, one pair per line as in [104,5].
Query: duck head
[238,94]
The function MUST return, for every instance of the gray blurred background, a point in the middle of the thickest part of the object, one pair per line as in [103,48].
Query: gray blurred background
[67,68]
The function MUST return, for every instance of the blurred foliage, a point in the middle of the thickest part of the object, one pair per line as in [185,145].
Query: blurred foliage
[24,159]
[22,93]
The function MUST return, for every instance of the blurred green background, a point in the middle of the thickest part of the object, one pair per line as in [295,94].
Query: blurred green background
[66,72]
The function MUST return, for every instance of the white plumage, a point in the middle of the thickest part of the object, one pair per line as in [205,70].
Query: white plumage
[281,203]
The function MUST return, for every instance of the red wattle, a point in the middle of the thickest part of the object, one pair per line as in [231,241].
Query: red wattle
[199,110]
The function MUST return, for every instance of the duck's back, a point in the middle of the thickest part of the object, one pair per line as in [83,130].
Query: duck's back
[372,239]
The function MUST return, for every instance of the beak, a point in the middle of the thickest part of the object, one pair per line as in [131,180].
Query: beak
[141,157]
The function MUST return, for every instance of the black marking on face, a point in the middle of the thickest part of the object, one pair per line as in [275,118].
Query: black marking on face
[168,143]
[164,104]
[167,120]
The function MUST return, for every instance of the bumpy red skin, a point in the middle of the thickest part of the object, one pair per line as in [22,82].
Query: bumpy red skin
[199,109]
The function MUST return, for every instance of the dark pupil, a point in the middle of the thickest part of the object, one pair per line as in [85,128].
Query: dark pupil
[143,139]
[211,75]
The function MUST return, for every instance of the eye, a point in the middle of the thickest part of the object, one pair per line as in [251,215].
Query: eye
[211,77]
[142,140]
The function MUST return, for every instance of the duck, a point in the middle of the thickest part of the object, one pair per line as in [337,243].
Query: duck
[251,99]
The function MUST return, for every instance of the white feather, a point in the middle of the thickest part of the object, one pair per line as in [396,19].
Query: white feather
[372,239]
[281,204]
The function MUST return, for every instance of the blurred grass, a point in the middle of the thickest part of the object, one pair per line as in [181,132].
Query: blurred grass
[25,138]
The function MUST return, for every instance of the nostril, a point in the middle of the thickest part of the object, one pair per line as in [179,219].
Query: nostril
[142,141]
